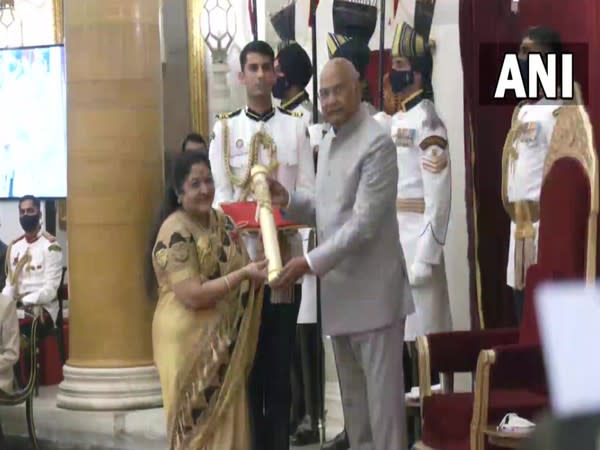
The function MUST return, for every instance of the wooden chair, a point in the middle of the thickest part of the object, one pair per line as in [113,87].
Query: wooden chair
[26,394]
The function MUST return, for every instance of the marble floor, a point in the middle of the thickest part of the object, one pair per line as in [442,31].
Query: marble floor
[133,430]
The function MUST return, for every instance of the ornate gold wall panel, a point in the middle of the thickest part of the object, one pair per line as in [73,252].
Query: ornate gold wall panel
[197,69]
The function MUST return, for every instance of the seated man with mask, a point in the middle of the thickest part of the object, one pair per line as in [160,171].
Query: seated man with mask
[33,263]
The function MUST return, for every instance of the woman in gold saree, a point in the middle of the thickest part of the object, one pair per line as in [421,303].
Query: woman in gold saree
[207,317]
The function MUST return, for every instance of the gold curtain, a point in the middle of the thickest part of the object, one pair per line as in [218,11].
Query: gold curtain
[197,70]
[57,7]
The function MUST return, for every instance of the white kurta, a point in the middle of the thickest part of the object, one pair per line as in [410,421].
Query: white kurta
[424,173]
[525,173]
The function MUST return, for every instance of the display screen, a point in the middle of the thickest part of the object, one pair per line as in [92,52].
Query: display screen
[33,122]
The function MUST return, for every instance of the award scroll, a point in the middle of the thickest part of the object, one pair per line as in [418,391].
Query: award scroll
[264,212]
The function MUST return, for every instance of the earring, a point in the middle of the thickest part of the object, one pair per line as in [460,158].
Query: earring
[179,199]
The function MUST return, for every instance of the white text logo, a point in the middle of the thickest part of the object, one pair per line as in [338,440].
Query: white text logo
[540,76]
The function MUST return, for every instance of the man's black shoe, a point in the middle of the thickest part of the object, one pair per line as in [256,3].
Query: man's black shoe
[340,442]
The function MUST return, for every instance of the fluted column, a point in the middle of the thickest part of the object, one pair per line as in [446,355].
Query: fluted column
[114,183]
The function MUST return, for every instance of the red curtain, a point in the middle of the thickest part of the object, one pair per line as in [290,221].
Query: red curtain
[485,29]
[487,23]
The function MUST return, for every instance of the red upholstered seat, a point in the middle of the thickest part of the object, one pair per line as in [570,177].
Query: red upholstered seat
[447,419]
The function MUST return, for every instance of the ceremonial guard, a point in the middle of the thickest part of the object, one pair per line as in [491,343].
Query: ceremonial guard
[523,158]
[34,263]
[292,66]
[277,139]
[424,184]
[294,71]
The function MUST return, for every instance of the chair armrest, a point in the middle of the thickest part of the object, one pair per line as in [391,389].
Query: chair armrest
[518,367]
[458,351]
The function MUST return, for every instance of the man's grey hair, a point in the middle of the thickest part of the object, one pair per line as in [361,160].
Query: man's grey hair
[346,65]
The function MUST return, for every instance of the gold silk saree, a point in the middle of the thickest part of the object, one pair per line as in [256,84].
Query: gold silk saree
[204,356]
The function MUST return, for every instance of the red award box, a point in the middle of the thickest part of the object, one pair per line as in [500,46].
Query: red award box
[244,216]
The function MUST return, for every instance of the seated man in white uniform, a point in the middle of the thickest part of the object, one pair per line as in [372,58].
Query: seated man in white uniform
[34,264]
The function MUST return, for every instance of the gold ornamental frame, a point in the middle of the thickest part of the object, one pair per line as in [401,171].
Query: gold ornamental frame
[59,32]
[59,38]
[197,69]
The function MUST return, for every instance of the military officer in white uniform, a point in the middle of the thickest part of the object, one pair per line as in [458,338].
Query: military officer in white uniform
[278,139]
[524,155]
[424,187]
[33,263]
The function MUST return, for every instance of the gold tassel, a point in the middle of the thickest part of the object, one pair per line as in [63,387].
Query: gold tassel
[525,253]
[518,268]
[529,257]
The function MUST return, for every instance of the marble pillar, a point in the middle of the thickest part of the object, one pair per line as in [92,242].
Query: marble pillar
[115,179]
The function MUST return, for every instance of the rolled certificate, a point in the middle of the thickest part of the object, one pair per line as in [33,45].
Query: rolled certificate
[260,190]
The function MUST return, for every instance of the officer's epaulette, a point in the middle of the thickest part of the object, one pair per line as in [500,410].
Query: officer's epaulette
[48,236]
[17,239]
[229,115]
[290,113]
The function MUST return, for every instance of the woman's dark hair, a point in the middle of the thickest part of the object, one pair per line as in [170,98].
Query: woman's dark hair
[181,167]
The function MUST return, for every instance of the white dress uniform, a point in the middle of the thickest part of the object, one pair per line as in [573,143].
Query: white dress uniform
[34,271]
[292,153]
[525,168]
[423,209]
[308,306]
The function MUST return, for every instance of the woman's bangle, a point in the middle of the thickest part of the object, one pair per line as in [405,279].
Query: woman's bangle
[227,283]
